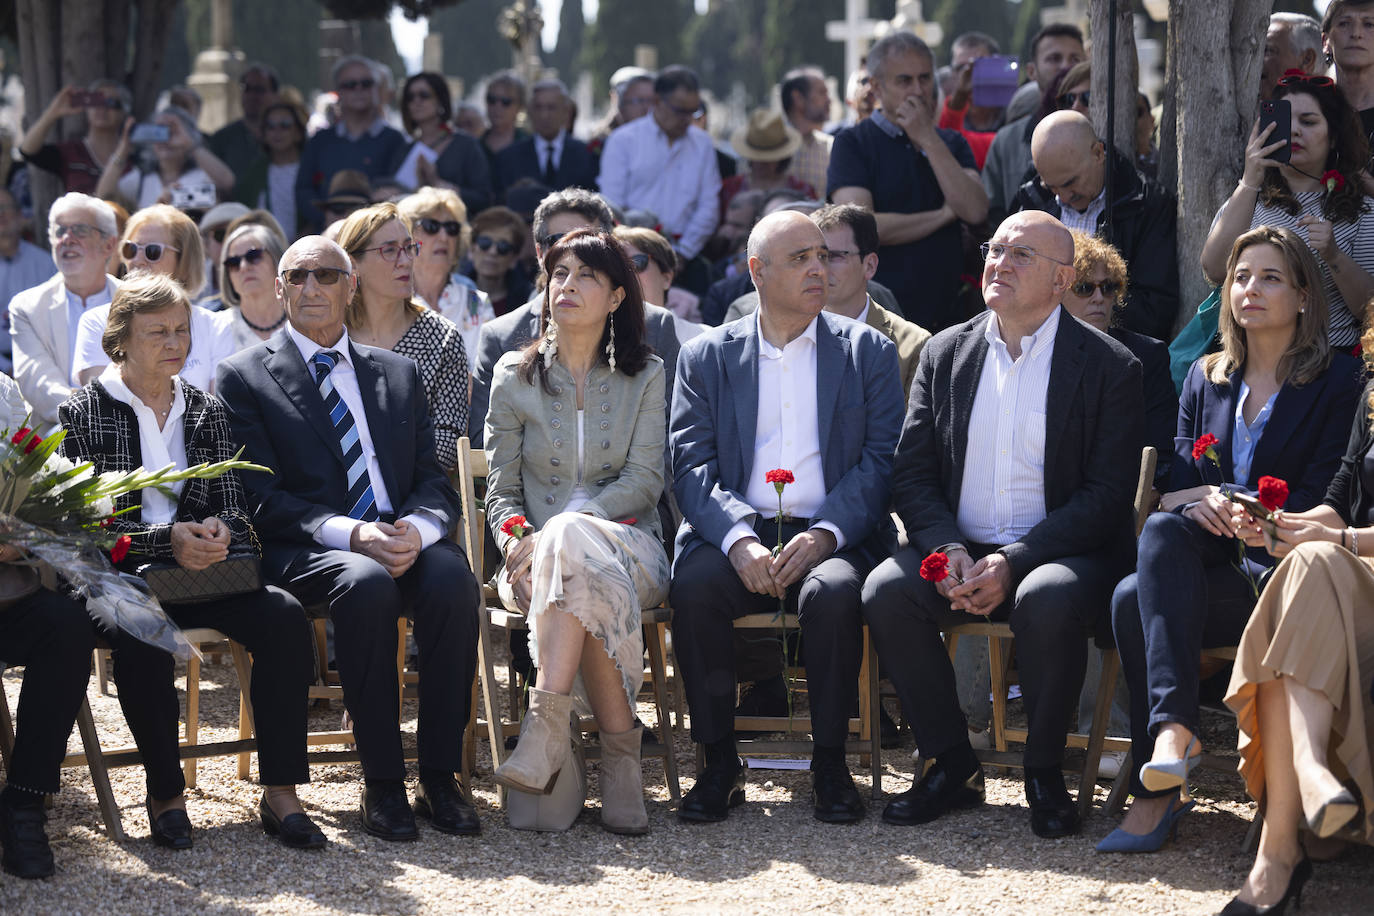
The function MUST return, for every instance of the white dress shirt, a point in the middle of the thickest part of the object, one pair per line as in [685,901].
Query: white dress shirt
[157,447]
[336,533]
[787,436]
[1084,221]
[677,180]
[1002,495]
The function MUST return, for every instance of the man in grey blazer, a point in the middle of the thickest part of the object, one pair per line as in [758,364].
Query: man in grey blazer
[820,396]
[1018,461]
[356,514]
[557,215]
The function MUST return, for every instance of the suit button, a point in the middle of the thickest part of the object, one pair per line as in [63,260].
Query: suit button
[604,388]
[554,480]
[555,423]
[555,461]
[558,443]
[605,408]
[605,443]
[605,467]
[605,424]
[549,500]
[557,405]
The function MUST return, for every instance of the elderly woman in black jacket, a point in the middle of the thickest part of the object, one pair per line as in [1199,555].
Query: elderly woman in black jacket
[138,412]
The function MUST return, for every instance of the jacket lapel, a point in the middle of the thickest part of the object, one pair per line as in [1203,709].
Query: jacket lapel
[741,355]
[1222,424]
[832,353]
[1290,407]
[1066,369]
[970,352]
[283,362]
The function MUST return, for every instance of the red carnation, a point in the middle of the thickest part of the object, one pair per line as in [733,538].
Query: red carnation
[33,444]
[515,526]
[21,435]
[1204,446]
[1273,493]
[1333,180]
[120,550]
[779,475]
[105,522]
[935,568]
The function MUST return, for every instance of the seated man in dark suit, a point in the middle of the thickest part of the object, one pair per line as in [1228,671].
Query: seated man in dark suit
[795,388]
[357,515]
[1018,460]
[551,155]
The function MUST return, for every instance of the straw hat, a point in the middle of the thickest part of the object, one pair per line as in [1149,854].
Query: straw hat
[767,138]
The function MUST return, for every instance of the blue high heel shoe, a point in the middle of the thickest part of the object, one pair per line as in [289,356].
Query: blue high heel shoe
[1157,777]
[1121,841]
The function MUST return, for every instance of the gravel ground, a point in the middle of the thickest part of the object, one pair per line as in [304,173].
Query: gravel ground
[770,856]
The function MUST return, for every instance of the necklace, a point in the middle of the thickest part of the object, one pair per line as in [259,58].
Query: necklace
[263,328]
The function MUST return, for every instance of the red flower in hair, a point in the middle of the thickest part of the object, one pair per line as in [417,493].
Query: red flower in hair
[935,568]
[1204,446]
[1273,493]
[120,550]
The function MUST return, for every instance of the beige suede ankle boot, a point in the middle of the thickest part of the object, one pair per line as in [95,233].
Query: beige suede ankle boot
[622,783]
[544,746]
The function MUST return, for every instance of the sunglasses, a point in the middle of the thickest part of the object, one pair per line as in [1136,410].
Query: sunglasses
[152,251]
[640,262]
[1083,289]
[109,101]
[486,243]
[432,226]
[503,101]
[251,256]
[1069,99]
[1302,79]
[392,251]
[325,276]
[358,84]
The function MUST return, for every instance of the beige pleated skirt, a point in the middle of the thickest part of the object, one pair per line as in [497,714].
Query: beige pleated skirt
[1315,623]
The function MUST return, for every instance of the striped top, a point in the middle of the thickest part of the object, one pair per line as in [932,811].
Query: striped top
[1355,239]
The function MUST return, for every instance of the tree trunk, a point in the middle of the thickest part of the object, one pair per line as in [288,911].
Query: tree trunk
[1214,56]
[1127,73]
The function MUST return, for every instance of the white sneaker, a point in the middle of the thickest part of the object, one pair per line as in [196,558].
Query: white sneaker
[1109,767]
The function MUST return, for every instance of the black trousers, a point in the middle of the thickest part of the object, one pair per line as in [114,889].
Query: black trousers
[707,595]
[1056,608]
[440,593]
[51,635]
[271,625]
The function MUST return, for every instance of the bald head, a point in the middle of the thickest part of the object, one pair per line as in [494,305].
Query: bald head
[787,260]
[1032,269]
[316,300]
[1044,233]
[323,251]
[1069,158]
[768,232]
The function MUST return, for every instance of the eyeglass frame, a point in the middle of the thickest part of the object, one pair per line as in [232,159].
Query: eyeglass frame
[986,250]
[338,273]
[411,247]
[82,231]
[450,227]
[251,256]
[146,249]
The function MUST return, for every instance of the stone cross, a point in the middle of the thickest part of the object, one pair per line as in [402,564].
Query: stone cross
[857,31]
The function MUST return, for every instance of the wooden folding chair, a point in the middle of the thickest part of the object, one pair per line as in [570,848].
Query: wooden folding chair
[999,638]
[472,466]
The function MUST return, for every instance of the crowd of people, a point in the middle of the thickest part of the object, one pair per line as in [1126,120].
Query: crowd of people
[792,372]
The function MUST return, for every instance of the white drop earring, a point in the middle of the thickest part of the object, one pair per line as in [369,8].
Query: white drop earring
[548,345]
[610,341]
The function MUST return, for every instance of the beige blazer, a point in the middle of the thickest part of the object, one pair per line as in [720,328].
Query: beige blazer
[42,346]
[909,337]
[531,445]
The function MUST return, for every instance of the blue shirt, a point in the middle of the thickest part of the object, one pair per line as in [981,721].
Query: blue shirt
[1245,437]
[923,275]
[31,266]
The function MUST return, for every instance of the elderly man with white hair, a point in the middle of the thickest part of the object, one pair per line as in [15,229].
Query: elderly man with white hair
[43,319]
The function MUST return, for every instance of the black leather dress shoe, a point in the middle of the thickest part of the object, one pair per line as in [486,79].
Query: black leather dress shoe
[448,811]
[1053,812]
[171,828]
[386,812]
[295,830]
[935,794]
[837,800]
[718,789]
[27,853]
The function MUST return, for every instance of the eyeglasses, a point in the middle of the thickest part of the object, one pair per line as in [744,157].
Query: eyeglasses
[432,226]
[325,276]
[82,231]
[1083,289]
[486,243]
[1069,99]
[152,251]
[640,262]
[1019,255]
[502,101]
[1298,78]
[836,254]
[279,125]
[550,240]
[251,256]
[365,83]
[392,251]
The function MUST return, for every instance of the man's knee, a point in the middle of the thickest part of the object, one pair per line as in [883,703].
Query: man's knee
[886,594]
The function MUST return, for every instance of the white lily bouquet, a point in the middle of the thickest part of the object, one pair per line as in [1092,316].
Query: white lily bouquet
[59,513]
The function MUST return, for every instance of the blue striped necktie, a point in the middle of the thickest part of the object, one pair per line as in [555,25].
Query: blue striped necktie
[362,504]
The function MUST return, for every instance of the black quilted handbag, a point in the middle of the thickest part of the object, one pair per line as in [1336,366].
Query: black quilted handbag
[172,583]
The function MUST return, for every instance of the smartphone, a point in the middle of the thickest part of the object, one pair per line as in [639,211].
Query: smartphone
[1278,112]
[995,80]
[144,134]
[1256,510]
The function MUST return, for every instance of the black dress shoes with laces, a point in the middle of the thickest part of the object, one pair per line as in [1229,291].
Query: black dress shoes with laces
[1053,812]
[836,799]
[440,800]
[934,795]
[25,843]
[719,788]
[386,812]
[295,830]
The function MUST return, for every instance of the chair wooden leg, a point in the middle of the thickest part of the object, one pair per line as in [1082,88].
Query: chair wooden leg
[654,639]
[1102,714]
[100,774]
[868,680]
[102,670]
[486,665]
[997,662]
[188,766]
[1121,787]
[243,665]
